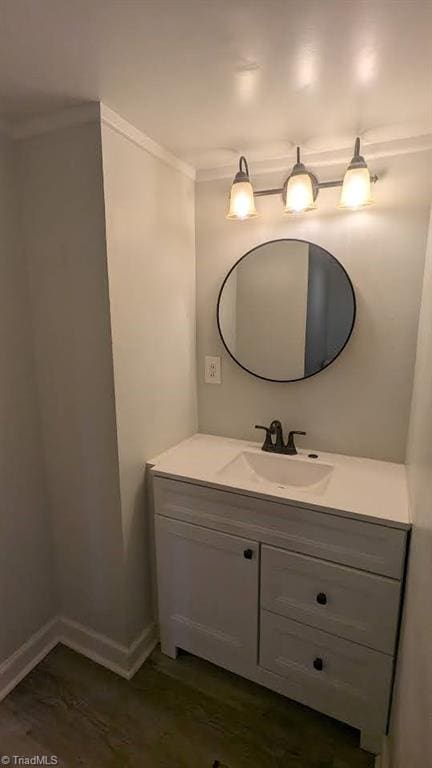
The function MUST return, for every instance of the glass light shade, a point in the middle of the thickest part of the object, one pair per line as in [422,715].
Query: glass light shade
[242,202]
[356,189]
[299,194]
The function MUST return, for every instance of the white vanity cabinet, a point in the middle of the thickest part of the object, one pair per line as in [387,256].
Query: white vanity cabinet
[304,601]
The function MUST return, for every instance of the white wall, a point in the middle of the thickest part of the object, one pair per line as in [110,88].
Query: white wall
[64,239]
[410,735]
[27,596]
[151,265]
[96,436]
[360,404]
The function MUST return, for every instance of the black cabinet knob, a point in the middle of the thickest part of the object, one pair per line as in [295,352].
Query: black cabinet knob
[318,664]
[248,554]
[321,598]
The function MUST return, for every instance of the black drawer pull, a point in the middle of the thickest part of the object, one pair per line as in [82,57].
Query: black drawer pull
[248,554]
[318,664]
[321,598]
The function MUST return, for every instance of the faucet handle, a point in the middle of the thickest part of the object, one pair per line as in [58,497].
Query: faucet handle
[290,448]
[268,443]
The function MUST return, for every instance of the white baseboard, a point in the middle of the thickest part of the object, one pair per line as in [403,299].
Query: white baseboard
[123,660]
[22,661]
[383,760]
[141,648]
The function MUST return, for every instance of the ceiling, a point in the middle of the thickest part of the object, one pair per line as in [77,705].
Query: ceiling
[210,78]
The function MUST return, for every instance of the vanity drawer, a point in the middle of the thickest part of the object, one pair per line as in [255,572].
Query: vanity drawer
[334,676]
[357,543]
[349,603]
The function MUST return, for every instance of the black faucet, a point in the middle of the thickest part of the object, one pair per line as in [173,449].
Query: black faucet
[275,428]
[278,446]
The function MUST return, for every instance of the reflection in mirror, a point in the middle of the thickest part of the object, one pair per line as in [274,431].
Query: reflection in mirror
[286,310]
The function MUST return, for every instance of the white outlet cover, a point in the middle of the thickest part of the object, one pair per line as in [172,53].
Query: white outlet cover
[212,370]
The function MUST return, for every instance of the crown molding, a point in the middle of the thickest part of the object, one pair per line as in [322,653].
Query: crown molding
[373,150]
[54,121]
[129,131]
[376,144]
[92,113]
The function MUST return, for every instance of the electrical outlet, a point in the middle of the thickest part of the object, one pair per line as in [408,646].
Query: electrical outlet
[212,370]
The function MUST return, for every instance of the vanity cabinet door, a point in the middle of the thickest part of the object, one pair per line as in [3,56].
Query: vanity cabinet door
[208,593]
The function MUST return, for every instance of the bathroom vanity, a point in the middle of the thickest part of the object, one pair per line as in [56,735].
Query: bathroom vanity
[286,570]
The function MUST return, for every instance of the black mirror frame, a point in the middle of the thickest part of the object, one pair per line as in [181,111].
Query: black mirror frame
[288,240]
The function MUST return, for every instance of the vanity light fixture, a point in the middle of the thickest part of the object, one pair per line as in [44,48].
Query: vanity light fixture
[242,202]
[356,187]
[300,190]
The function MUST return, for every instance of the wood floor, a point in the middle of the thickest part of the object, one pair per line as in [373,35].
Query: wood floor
[173,714]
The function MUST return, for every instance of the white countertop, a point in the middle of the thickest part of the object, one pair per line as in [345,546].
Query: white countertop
[359,488]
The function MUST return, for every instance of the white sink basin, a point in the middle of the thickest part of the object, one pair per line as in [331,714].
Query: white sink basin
[278,470]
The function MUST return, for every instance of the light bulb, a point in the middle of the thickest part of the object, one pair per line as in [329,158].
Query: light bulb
[242,201]
[299,191]
[299,194]
[356,187]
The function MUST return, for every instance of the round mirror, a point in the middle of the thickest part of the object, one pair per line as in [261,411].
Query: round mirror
[286,310]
